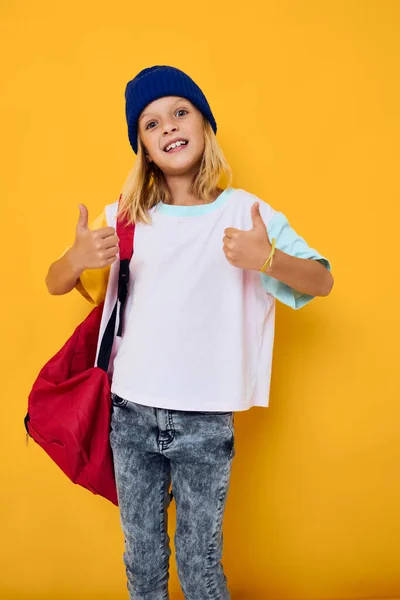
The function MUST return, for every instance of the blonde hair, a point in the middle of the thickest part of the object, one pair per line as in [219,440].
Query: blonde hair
[146,185]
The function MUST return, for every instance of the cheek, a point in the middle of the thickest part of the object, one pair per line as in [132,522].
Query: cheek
[148,144]
[156,153]
[198,144]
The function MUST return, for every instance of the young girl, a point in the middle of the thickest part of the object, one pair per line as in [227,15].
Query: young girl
[208,266]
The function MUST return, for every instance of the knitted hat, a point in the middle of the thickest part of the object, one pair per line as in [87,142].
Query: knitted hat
[156,82]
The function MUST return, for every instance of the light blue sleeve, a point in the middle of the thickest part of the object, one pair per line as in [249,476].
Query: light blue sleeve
[290,242]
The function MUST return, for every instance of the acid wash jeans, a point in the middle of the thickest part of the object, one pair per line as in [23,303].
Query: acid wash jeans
[152,448]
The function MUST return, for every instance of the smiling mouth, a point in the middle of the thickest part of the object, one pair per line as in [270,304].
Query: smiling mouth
[180,146]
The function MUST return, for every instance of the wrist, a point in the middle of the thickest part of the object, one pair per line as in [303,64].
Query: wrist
[262,255]
[74,261]
[268,258]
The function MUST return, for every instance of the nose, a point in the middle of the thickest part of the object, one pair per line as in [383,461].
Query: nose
[168,128]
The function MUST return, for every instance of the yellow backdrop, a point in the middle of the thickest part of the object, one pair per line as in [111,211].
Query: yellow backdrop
[306,96]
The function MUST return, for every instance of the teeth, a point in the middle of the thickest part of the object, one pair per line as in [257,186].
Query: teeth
[175,145]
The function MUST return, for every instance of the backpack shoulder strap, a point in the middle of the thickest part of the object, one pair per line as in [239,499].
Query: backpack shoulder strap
[125,233]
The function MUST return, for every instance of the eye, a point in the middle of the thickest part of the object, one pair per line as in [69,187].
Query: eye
[180,110]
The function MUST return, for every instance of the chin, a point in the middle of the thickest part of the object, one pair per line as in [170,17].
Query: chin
[180,165]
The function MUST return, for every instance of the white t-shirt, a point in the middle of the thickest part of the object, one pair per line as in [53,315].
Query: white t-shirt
[198,331]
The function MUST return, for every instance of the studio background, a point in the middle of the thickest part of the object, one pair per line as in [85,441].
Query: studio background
[306,98]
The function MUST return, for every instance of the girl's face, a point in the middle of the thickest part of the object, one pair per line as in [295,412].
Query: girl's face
[167,120]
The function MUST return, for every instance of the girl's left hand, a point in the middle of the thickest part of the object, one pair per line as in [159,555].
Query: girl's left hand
[248,249]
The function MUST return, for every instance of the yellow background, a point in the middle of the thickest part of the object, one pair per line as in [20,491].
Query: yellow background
[306,97]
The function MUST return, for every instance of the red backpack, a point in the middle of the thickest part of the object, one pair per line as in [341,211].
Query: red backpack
[69,406]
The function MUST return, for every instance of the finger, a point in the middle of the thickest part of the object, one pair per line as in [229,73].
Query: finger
[256,216]
[110,241]
[110,252]
[104,232]
[83,218]
[231,231]
[108,261]
[106,257]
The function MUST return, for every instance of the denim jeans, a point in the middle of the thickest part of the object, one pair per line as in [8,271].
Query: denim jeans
[153,448]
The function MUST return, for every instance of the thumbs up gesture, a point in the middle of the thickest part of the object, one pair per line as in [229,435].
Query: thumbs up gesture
[93,249]
[248,249]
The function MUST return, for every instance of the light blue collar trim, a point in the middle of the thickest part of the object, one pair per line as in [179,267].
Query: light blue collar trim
[194,211]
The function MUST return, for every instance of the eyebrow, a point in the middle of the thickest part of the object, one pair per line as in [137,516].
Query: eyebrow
[177,102]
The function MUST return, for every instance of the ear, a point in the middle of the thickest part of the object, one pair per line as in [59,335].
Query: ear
[147,155]
[146,152]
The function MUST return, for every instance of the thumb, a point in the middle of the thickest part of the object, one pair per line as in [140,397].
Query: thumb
[256,216]
[83,218]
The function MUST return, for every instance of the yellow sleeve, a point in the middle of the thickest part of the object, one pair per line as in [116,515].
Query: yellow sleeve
[92,283]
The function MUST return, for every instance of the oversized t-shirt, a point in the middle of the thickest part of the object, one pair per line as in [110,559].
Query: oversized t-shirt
[198,331]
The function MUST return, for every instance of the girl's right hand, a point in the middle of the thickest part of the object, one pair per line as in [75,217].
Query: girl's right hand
[93,249]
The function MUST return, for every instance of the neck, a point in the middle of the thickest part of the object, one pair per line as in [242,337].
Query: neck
[179,187]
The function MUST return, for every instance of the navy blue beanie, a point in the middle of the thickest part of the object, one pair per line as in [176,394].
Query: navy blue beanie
[156,82]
